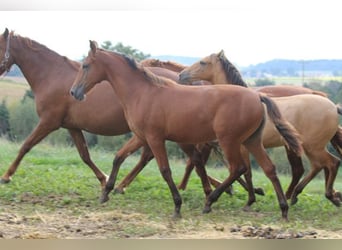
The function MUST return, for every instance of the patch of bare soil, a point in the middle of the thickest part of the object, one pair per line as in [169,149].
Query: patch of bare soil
[64,224]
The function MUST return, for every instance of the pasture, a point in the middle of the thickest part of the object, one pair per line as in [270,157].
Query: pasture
[55,195]
[12,89]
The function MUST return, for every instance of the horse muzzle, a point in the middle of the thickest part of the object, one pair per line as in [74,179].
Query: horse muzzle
[78,93]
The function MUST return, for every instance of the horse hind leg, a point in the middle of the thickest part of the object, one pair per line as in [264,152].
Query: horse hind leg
[331,194]
[82,148]
[237,167]
[255,147]
[200,159]
[321,160]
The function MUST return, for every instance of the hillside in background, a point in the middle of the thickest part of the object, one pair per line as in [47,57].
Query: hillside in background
[277,67]
[281,67]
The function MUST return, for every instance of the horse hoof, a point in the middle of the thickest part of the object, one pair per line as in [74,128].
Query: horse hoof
[259,191]
[4,181]
[338,195]
[336,202]
[246,208]
[176,216]
[206,210]
[104,198]
[119,191]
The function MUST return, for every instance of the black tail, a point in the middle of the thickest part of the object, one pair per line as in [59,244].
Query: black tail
[336,141]
[286,130]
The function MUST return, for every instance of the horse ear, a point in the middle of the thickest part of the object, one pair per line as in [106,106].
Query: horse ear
[221,54]
[93,46]
[6,32]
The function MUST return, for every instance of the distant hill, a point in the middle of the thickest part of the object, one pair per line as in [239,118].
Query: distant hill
[276,67]
[14,71]
[282,67]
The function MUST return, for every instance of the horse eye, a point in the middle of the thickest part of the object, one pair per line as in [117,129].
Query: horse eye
[85,66]
[203,63]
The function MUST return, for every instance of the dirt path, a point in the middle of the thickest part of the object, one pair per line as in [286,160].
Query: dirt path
[64,224]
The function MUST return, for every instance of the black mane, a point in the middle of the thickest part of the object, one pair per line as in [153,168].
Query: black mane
[147,73]
[232,73]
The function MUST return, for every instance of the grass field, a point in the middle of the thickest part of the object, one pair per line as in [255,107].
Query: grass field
[12,89]
[54,195]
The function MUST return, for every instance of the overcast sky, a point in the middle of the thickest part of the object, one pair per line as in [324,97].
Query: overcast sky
[249,31]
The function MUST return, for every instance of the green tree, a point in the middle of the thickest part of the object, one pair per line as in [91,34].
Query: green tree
[264,82]
[127,50]
[23,118]
[4,119]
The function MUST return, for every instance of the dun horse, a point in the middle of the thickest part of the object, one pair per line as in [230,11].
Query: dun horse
[158,109]
[315,118]
[50,77]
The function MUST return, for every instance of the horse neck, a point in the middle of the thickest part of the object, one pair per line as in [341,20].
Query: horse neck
[39,65]
[127,82]
[219,77]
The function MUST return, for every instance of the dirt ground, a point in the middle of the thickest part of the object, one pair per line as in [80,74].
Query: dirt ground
[63,224]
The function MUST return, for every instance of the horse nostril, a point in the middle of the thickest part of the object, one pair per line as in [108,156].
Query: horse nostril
[72,92]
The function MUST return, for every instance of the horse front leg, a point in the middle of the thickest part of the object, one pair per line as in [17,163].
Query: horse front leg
[146,157]
[133,144]
[159,151]
[39,133]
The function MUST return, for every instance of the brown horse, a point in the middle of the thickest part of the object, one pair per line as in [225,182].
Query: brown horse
[315,118]
[272,91]
[158,109]
[151,62]
[50,77]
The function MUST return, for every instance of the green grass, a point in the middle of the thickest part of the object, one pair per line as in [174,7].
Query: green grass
[51,177]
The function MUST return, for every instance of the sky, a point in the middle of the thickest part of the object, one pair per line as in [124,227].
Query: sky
[249,31]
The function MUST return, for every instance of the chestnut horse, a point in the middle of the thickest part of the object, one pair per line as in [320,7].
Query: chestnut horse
[315,118]
[158,109]
[50,77]
[272,91]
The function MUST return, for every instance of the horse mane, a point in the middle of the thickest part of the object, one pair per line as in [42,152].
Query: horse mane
[36,46]
[160,81]
[175,64]
[231,72]
[152,62]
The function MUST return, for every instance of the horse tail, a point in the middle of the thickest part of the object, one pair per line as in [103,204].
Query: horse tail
[339,109]
[336,141]
[286,130]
